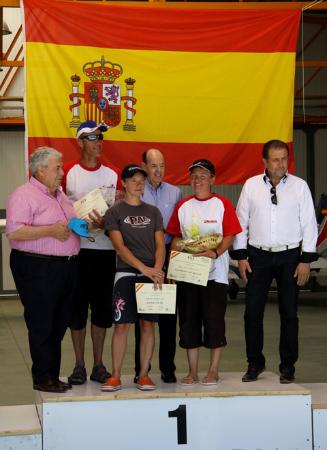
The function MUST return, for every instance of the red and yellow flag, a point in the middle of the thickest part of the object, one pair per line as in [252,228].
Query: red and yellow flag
[194,83]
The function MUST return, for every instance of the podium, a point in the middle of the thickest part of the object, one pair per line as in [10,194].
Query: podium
[20,428]
[319,414]
[231,415]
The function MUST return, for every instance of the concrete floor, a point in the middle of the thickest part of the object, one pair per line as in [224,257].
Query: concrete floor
[15,386]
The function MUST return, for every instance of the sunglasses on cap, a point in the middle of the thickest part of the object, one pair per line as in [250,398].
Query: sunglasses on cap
[93,137]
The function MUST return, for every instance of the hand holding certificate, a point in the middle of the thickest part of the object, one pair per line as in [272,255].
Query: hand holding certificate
[155,301]
[185,267]
[91,201]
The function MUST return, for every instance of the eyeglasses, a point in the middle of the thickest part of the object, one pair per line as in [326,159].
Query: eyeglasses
[273,195]
[93,137]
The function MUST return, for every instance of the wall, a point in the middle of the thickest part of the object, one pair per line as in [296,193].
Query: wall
[12,165]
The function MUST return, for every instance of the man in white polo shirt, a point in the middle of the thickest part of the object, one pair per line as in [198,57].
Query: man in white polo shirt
[278,241]
[97,260]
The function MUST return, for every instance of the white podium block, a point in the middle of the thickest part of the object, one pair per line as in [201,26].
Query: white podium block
[20,428]
[232,415]
[319,414]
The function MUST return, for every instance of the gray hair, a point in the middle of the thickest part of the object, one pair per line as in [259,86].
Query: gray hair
[41,156]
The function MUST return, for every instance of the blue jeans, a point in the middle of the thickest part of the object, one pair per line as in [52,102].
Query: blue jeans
[265,267]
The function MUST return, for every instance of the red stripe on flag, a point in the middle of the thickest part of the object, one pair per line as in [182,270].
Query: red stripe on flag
[234,162]
[171,29]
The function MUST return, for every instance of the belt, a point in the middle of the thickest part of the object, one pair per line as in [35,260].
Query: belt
[281,248]
[39,255]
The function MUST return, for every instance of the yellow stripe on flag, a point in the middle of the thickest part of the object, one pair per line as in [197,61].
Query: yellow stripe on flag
[181,96]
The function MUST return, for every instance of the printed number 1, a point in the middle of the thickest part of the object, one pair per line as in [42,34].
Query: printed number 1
[180,414]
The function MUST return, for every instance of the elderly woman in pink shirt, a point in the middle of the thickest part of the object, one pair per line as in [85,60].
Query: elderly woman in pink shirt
[43,263]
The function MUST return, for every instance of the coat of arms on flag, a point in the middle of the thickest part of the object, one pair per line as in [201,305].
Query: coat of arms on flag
[103,96]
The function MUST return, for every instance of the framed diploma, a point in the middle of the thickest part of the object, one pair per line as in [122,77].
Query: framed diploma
[155,301]
[185,267]
[93,200]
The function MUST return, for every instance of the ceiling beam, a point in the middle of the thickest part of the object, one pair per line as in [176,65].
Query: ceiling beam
[222,5]
[6,63]
[10,3]
[216,5]
[312,63]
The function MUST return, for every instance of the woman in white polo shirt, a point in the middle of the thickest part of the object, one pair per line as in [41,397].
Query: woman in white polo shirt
[202,309]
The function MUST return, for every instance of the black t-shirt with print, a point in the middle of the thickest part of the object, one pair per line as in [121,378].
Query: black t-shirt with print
[137,225]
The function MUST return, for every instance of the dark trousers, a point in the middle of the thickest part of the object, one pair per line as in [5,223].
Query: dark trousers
[201,311]
[46,288]
[96,273]
[265,267]
[167,346]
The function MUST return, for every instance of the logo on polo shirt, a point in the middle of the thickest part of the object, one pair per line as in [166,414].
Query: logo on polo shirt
[137,220]
[210,221]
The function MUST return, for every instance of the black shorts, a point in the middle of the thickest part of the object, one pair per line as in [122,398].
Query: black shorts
[201,312]
[96,274]
[124,308]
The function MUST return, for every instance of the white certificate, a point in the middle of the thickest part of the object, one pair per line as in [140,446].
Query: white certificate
[93,200]
[155,301]
[109,194]
[192,269]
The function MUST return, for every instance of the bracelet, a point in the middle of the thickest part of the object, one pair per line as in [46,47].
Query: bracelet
[217,255]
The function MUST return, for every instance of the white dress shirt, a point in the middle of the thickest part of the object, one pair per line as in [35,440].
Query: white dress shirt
[289,222]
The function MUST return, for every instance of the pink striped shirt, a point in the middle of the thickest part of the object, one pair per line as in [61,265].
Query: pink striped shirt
[32,204]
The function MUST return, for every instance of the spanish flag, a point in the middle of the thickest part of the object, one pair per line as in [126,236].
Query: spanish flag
[192,82]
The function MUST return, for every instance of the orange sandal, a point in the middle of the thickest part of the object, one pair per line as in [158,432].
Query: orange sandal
[112,384]
[145,384]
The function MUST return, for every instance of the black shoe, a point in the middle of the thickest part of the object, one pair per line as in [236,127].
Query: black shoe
[100,374]
[136,379]
[78,376]
[286,377]
[50,386]
[63,384]
[168,378]
[252,373]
